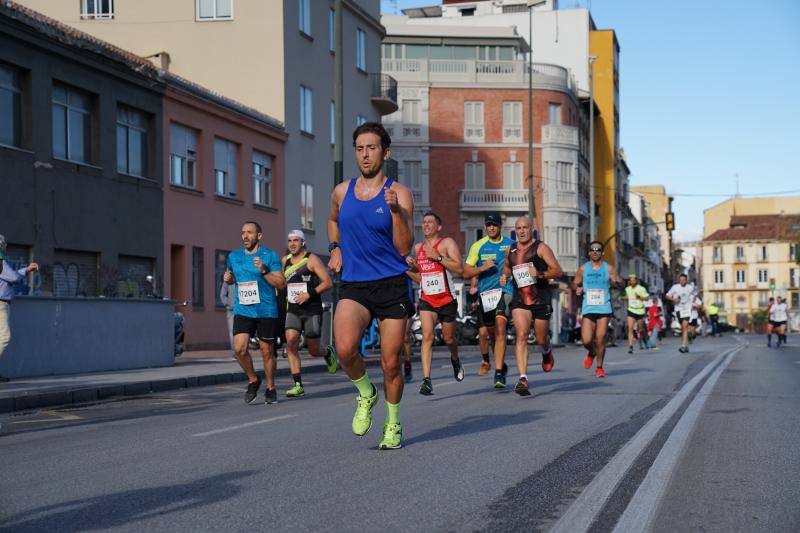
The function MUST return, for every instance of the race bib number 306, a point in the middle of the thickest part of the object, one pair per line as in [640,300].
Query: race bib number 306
[433,283]
[248,293]
[522,274]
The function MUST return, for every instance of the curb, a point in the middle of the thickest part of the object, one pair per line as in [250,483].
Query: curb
[27,401]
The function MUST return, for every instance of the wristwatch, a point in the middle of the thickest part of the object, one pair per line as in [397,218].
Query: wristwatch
[332,246]
[438,258]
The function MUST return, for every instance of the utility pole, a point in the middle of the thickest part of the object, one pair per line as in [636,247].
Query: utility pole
[338,96]
[592,223]
[531,204]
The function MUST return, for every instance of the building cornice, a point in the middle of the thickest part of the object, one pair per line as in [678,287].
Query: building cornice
[365,16]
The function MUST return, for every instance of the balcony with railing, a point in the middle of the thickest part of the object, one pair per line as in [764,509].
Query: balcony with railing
[383,93]
[497,199]
[475,71]
[557,134]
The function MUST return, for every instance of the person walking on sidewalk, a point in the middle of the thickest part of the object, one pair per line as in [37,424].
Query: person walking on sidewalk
[636,295]
[256,272]
[532,264]
[435,260]
[227,295]
[594,281]
[306,279]
[370,230]
[8,276]
[485,264]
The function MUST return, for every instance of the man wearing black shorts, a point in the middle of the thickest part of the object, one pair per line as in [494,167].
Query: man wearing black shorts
[257,272]
[370,233]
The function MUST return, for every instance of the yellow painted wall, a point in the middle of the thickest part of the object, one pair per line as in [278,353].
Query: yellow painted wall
[602,43]
[657,203]
[719,216]
[246,52]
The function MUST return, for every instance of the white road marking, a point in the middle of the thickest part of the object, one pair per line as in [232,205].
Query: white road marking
[580,515]
[623,362]
[245,425]
[644,505]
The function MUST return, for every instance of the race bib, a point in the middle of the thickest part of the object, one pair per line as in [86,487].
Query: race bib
[490,299]
[295,289]
[595,297]
[248,293]
[432,283]
[685,304]
[522,274]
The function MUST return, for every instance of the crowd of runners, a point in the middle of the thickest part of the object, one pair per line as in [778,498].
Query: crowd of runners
[370,230]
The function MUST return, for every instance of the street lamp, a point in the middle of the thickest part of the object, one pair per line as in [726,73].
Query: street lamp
[531,206]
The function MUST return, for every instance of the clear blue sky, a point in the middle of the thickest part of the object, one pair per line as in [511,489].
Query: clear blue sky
[708,89]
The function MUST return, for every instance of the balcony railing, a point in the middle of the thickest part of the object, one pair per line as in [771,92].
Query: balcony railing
[384,93]
[554,133]
[475,71]
[499,199]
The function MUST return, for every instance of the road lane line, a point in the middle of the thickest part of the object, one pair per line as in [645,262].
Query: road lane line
[584,509]
[623,362]
[644,505]
[245,425]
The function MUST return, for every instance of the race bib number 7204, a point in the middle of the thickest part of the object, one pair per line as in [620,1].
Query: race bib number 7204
[248,293]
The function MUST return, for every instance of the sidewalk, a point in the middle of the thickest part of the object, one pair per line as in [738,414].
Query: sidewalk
[192,369]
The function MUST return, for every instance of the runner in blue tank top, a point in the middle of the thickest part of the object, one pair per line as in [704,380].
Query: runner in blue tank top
[594,281]
[370,233]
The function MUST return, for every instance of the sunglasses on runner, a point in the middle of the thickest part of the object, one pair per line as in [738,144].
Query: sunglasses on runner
[492,224]
[595,249]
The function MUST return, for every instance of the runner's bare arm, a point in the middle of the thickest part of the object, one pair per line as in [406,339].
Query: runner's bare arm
[315,265]
[335,262]
[401,203]
[577,283]
[506,271]
[553,268]
[451,257]
[414,276]
[276,279]
[616,281]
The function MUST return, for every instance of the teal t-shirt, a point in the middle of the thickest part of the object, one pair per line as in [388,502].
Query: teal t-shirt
[485,250]
[251,285]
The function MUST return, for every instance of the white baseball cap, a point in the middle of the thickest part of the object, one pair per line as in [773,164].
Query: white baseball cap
[297,233]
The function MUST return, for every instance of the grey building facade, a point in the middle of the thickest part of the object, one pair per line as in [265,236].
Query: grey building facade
[80,160]
[309,92]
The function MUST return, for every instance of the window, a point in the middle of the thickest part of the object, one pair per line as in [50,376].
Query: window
[793,252]
[512,122]
[10,106]
[225,167]
[562,175]
[306,206]
[719,278]
[762,253]
[740,253]
[411,112]
[719,298]
[97,9]
[198,296]
[516,8]
[306,108]
[412,175]
[75,273]
[740,279]
[467,12]
[512,176]
[763,276]
[131,141]
[214,9]
[182,156]
[361,49]
[473,122]
[566,240]
[262,178]
[360,119]
[332,29]
[474,176]
[794,277]
[132,278]
[554,114]
[71,124]
[305,16]
[717,253]
[220,266]
[333,122]
[763,298]
[795,300]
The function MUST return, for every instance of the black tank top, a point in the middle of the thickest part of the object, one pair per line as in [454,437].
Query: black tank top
[538,292]
[299,273]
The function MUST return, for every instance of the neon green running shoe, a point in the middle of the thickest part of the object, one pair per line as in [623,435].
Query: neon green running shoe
[330,360]
[362,420]
[392,435]
[296,391]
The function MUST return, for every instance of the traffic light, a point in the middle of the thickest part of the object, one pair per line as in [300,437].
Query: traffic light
[772,284]
[670,219]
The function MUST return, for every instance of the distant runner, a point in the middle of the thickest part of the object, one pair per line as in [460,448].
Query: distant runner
[682,295]
[778,317]
[636,296]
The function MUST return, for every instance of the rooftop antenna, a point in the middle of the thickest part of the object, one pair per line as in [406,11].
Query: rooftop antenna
[736,175]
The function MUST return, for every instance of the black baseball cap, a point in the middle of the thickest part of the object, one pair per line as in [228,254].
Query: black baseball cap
[493,218]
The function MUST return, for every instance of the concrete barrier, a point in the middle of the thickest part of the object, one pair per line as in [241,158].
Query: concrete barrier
[75,335]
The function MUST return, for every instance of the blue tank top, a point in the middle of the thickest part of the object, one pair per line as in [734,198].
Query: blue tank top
[366,238]
[596,289]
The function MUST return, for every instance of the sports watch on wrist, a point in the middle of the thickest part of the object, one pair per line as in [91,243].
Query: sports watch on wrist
[332,246]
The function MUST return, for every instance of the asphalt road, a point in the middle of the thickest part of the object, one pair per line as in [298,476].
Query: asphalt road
[667,442]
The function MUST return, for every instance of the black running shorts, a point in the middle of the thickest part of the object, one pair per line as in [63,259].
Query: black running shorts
[262,328]
[383,298]
[446,313]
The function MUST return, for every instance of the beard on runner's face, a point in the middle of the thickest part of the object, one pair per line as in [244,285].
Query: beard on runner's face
[294,245]
[249,237]
[370,154]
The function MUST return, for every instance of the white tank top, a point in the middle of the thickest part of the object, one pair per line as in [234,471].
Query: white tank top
[777,313]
